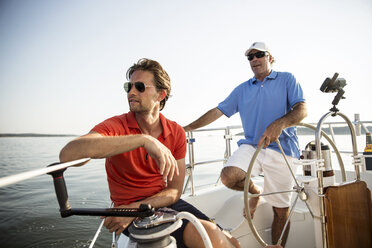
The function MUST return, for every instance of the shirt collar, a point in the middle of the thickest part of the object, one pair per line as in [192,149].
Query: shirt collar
[164,123]
[131,120]
[132,123]
[272,75]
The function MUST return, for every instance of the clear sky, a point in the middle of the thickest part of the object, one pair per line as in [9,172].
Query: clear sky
[63,63]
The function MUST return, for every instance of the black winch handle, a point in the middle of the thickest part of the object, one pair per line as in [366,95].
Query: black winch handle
[60,188]
[145,210]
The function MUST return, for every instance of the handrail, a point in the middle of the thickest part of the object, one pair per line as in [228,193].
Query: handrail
[228,137]
[211,161]
[190,140]
[4,181]
[355,122]
[216,128]
[362,123]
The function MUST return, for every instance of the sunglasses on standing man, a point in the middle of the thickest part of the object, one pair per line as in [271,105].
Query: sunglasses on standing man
[258,55]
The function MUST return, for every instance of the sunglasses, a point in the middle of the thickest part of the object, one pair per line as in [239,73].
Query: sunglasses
[258,55]
[140,86]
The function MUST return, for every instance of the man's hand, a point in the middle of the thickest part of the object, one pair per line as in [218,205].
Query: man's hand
[187,128]
[163,157]
[117,224]
[271,133]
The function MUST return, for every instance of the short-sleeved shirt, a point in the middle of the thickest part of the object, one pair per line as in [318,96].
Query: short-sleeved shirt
[261,103]
[134,175]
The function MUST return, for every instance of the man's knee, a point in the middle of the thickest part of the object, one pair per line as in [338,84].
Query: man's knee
[192,236]
[227,178]
[231,176]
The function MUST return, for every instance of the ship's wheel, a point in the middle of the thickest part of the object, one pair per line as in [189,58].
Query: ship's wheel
[298,189]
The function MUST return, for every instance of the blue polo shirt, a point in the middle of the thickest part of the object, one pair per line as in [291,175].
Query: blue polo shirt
[261,103]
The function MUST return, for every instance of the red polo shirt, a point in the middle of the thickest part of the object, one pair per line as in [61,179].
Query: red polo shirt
[134,175]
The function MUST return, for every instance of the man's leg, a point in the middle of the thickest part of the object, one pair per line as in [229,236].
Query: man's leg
[192,238]
[234,178]
[280,217]
[253,202]
[234,172]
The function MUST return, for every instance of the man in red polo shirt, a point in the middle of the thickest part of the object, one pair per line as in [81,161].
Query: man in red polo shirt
[145,156]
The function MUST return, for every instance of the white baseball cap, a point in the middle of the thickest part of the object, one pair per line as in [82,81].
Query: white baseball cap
[260,46]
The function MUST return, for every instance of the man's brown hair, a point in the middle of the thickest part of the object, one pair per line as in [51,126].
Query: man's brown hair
[161,78]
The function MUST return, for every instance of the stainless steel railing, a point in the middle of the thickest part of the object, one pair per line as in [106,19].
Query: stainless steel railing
[228,136]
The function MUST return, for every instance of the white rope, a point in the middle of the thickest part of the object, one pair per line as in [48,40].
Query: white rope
[182,215]
[99,231]
[195,221]
[96,235]
[30,174]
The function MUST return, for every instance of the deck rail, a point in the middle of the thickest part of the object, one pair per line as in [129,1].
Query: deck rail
[228,136]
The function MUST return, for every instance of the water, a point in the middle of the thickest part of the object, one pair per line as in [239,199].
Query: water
[29,210]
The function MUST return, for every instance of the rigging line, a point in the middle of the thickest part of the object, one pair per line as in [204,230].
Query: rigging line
[98,230]
[96,235]
[30,174]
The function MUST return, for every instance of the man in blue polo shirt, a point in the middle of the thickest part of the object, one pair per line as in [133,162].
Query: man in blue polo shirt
[268,104]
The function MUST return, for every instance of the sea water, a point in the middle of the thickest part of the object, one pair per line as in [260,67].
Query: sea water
[29,211]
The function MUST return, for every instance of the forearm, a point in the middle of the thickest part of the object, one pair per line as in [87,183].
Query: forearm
[97,146]
[171,193]
[296,115]
[204,120]
[163,198]
[273,131]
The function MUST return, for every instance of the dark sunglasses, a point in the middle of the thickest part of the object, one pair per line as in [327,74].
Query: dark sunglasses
[258,55]
[140,86]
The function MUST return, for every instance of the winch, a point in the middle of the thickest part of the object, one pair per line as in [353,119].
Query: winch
[150,228]
[155,230]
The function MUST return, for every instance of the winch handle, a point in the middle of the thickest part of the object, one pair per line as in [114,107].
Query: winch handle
[145,210]
[60,188]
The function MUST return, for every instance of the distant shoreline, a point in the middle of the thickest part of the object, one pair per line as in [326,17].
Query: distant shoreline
[6,135]
[336,130]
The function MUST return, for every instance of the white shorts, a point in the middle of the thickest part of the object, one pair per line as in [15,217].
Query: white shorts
[271,163]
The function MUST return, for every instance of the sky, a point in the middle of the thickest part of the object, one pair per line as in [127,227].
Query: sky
[63,63]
